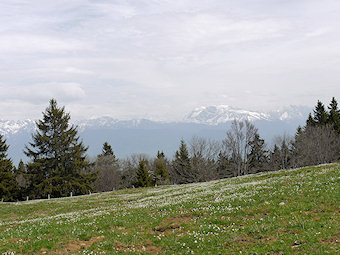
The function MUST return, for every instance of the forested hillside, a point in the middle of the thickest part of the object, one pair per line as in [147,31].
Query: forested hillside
[59,166]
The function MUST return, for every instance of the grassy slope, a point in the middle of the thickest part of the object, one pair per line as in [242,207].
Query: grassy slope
[284,212]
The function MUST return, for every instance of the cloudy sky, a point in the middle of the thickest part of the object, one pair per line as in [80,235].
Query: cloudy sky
[159,59]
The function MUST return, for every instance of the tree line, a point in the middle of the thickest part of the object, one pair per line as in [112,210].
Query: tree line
[59,166]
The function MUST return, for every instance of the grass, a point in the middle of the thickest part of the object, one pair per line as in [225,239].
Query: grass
[285,212]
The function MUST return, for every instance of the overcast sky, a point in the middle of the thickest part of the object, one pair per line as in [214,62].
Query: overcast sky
[159,59]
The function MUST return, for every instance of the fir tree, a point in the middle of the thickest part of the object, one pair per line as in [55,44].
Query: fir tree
[224,167]
[58,164]
[22,180]
[258,155]
[160,155]
[285,155]
[109,173]
[182,165]
[161,173]
[21,167]
[310,121]
[334,115]
[320,114]
[275,158]
[107,150]
[143,175]
[8,184]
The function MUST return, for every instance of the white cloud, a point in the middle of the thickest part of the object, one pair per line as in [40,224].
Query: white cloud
[319,32]
[163,58]
[41,93]
[29,44]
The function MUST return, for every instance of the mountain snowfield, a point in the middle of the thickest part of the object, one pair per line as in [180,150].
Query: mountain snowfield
[10,127]
[209,115]
[146,136]
[214,115]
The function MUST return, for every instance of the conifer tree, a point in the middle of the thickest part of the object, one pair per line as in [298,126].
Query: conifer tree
[22,180]
[224,167]
[334,115]
[310,121]
[58,164]
[258,154]
[285,155]
[109,173]
[143,175]
[182,165]
[8,184]
[107,150]
[320,114]
[161,173]
[275,158]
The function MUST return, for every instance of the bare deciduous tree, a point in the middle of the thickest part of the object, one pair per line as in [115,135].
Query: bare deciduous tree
[109,173]
[204,155]
[317,145]
[284,143]
[237,144]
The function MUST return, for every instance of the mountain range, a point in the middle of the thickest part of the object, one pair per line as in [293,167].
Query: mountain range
[145,136]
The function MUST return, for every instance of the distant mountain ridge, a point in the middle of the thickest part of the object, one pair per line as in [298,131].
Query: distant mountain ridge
[210,115]
[215,115]
[145,136]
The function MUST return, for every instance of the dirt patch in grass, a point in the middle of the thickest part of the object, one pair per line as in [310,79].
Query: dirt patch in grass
[73,246]
[14,240]
[269,239]
[331,240]
[241,240]
[147,246]
[173,223]
[246,240]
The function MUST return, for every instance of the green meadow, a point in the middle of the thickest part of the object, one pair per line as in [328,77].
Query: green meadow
[285,212]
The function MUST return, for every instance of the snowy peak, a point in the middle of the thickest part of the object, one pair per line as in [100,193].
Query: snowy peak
[291,112]
[209,115]
[214,115]
[102,122]
[9,127]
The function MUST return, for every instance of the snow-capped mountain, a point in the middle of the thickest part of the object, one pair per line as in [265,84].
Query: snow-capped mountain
[96,122]
[290,113]
[215,115]
[146,136]
[10,127]
[210,115]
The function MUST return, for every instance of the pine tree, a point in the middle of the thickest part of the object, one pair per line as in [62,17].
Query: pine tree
[320,114]
[224,167]
[182,165]
[21,167]
[143,175]
[275,158]
[161,173]
[8,184]
[310,121]
[58,164]
[22,180]
[285,155]
[258,155]
[109,173]
[107,150]
[334,115]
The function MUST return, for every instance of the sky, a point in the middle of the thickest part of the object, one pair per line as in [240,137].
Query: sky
[160,59]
